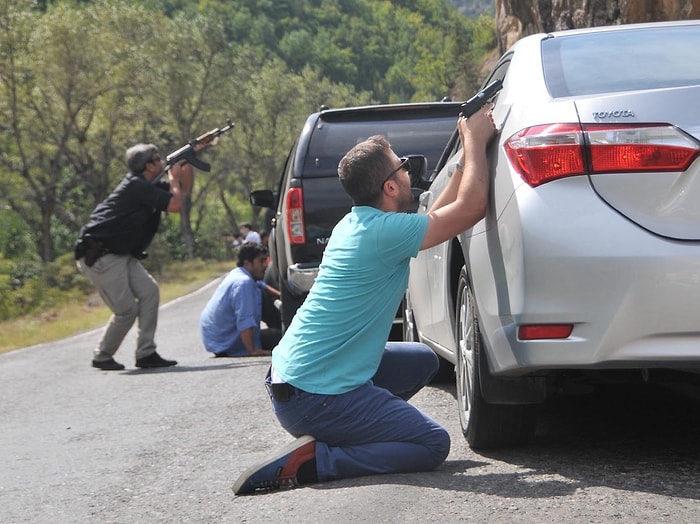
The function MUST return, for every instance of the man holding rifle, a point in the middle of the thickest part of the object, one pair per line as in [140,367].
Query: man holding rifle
[112,243]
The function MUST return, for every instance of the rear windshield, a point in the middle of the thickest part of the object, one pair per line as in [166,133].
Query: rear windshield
[622,60]
[331,140]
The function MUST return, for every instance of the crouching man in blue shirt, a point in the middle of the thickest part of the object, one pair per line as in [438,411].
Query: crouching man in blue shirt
[335,382]
[230,322]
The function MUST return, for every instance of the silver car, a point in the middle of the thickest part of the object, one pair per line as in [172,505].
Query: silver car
[587,265]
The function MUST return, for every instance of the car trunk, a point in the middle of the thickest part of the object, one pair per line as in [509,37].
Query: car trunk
[663,200]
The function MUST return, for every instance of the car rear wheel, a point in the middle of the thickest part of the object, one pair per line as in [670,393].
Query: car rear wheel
[485,425]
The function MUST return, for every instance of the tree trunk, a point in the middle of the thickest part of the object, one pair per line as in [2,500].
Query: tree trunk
[186,226]
[518,18]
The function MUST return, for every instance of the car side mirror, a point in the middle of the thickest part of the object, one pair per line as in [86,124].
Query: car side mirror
[262,198]
[417,169]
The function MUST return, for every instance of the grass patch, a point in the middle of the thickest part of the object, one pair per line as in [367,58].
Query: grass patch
[89,312]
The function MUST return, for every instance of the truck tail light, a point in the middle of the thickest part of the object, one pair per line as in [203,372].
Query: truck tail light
[296,231]
[544,153]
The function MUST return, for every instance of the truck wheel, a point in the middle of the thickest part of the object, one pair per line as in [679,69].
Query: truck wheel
[290,304]
[485,425]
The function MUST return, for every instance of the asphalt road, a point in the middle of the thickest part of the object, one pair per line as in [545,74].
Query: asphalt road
[152,446]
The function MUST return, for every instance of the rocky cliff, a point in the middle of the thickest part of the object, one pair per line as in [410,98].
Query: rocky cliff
[518,18]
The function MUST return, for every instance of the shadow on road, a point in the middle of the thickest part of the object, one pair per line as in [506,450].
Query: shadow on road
[640,438]
[631,438]
[243,363]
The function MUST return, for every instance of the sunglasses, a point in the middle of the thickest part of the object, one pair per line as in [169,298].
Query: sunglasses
[403,165]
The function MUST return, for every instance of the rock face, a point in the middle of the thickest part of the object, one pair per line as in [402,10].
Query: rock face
[518,18]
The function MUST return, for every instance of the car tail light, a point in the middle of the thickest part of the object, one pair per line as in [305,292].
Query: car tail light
[544,153]
[295,216]
[544,331]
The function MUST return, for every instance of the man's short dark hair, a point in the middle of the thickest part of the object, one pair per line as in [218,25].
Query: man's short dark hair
[137,156]
[249,251]
[363,168]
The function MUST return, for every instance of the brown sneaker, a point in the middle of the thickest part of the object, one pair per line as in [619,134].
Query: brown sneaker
[279,471]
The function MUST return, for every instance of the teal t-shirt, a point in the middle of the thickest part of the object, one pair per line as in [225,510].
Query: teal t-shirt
[336,340]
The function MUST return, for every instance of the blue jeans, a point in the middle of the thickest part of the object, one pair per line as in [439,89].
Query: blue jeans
[372,429]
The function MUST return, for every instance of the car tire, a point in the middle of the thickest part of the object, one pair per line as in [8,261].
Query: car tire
[485,425]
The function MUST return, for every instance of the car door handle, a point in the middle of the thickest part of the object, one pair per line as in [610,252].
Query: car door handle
[424,199]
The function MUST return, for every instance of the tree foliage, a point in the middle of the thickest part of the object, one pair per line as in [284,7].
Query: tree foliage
[80,81]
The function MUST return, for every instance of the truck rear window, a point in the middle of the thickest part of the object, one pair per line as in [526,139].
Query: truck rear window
[331,140]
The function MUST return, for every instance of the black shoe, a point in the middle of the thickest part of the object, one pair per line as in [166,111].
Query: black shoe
[107,365]
[154,360]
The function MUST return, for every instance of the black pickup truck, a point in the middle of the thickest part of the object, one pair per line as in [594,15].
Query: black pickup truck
[310,201]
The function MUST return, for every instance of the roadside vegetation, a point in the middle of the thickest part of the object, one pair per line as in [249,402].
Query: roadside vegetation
[75,314]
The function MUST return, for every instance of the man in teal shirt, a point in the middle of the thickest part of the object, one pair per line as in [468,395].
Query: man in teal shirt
[335,382]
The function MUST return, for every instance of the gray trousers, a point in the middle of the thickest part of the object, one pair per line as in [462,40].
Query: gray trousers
[130,292]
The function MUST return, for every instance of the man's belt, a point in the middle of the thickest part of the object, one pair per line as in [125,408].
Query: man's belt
[280,391]
[90,250]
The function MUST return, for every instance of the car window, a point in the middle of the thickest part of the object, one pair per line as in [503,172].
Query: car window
[450,149]
[453,144]
[287,173]
[632,59]
[331,140]
[499,72]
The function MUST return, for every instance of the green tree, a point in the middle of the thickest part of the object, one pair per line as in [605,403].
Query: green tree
[193,59]
[82,81]
[63,74]
[271,105]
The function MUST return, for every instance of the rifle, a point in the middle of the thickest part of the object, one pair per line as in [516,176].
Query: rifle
[187,152]
[480,99]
